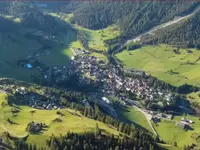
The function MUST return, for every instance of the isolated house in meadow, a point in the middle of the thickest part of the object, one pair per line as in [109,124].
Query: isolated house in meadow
[183,125]
[156,119]
[187,120]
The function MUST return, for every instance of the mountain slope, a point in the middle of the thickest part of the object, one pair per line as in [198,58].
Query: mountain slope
[185,33]
[132,17]
[71,121]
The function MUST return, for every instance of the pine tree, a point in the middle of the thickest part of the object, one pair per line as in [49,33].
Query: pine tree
[175,144]
[34,147]
[97,131]
[117,148]
[121,127]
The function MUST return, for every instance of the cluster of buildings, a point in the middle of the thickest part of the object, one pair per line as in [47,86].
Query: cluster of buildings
[185,123]
[115,83]
[47,72]
[111,78]
[45,101]
[156,116]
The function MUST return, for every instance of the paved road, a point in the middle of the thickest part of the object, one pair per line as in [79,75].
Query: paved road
[164,25]
[149,122]
[153,129]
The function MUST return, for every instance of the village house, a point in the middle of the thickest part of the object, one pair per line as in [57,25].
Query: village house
[183,125]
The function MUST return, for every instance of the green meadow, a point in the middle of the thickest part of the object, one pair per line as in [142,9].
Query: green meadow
[18,46]
[71,121]
[12,52]
[162,62]
[95,38]
[99,56]
[132,115]
[170,133]
[194,96]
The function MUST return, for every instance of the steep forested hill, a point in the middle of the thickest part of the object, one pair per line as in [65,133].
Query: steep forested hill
[132,17]
[32,17]
[185,33]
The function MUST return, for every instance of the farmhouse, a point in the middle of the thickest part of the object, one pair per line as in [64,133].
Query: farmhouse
[106,100]
[155,119]
[183,125]
[187,120]
[21,90]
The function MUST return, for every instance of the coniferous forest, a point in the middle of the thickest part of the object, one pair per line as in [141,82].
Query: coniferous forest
[135,18]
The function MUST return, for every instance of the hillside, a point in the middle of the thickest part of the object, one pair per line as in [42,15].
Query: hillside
[168,130]
[185,33]
[162,62]
[29,35]
[71,121]
[24,119]
[133,18]
[74,76]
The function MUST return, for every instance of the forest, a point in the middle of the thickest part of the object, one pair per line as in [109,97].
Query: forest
[132,18]
[183,34]
[94,141]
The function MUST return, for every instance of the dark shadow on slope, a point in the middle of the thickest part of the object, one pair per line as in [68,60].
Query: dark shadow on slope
[56,35]
[7,26]
[123,118]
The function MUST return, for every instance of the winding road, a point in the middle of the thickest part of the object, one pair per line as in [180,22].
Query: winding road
[164,25]
[149,122]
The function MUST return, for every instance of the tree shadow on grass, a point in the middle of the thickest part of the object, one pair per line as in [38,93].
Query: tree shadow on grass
[40,132]
[125,119]
[15,106]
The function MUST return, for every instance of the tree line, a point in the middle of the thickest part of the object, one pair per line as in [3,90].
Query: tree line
[133,18]
[93,141]
[184,34]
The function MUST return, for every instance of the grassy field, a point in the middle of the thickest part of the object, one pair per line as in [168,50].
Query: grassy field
[19,47]
[17,20]
[194,96]
[100,56]
[71,121]
[170,132]
[11,52]
[60,55]
[168,147]
[95,38]
[132,115]
[160,60]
